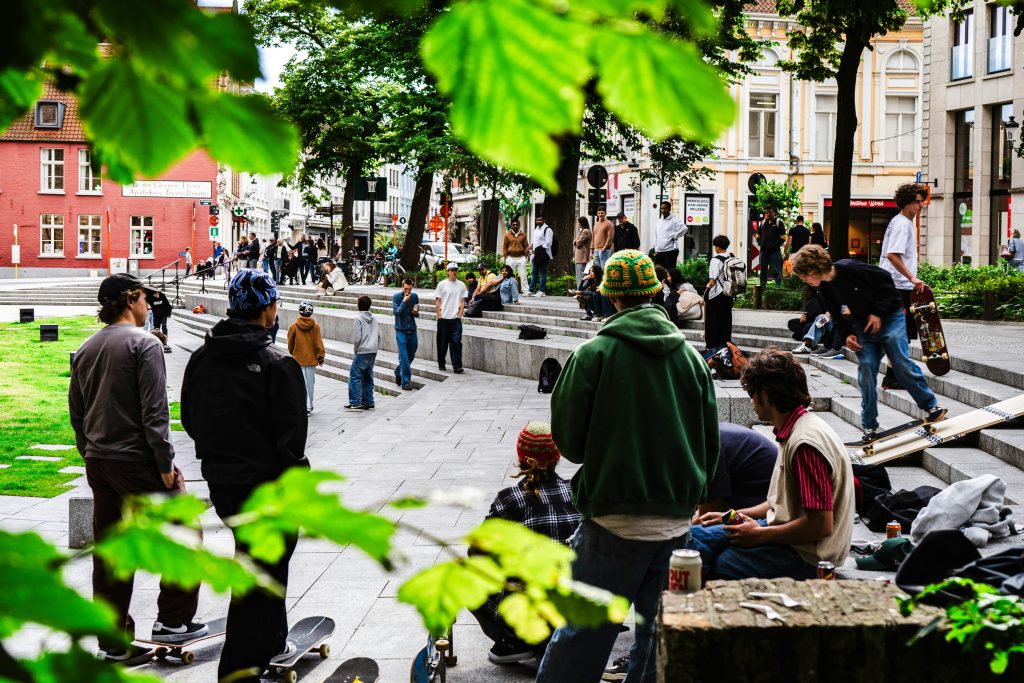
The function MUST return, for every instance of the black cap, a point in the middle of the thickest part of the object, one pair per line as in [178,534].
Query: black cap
[112,287]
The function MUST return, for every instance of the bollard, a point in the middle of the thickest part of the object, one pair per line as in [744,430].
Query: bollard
[26,315]
[48,333]
[988,303]
[71,361]
[757,297]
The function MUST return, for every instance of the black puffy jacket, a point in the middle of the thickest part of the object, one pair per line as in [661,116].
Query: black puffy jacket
[243,402]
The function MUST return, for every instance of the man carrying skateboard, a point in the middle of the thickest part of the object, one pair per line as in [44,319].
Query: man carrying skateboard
[875,326]
[232,388]
[899,259]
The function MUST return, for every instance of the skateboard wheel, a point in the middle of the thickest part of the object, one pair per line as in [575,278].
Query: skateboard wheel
[912,309]
[931,305]
[441,644]
[325,651]
[188,657]
[451,660]
[161,653]
[931,428]
[945,356]
[291,676]
[868,450]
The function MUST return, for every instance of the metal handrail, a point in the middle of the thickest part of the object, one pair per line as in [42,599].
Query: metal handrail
[163,271]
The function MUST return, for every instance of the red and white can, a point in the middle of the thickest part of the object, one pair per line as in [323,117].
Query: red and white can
[684,571]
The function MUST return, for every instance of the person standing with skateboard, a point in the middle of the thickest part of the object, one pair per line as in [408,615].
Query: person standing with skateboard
[899,259]
[876,326]
[239,377]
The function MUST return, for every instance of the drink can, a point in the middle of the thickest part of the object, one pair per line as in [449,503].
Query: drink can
[893,529]
[827,571]
[731,517]
[684,571]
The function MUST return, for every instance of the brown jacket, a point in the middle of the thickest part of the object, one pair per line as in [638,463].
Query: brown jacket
[515,244]
[305,343]
[604,235]
[582,245]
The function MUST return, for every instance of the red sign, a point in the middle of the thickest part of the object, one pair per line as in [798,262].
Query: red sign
[214,220]
[868,203]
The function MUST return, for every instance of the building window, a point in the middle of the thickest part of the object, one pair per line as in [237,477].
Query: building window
[900,128]
[901,61]
[962,59]
[51,169]
[51,234]
[964,151]
[824,127]
[90,235]
[1002,152]
[141,236]
[88,183]
[49,114]
[762,121]
[286,204]
[1000,39]
[769,59]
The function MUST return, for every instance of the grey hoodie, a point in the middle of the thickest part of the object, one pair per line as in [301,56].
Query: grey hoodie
[365,333]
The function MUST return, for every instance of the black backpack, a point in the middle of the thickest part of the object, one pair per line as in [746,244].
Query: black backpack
[870,481]
[532,332]
[902,506]
[550,369]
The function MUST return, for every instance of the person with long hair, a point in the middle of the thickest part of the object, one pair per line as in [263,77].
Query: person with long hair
[818,235]
[582,247]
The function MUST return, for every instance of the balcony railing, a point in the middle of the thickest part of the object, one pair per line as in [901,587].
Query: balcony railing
[962,62]
[999,49]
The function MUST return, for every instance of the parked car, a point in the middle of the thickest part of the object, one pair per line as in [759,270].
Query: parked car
[433,253]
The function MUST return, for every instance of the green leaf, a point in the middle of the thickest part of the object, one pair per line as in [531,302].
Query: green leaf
[408,503]
[139,120]
[294,502]
[78,665]
[73,44]
[229,122]
[521,614]
[514,72]
[18,91]
[163,509]
[438,593]
[692,99]
[529,556]
[34,591]
[587,606]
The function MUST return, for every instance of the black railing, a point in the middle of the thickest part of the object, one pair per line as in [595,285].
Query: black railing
[163,275]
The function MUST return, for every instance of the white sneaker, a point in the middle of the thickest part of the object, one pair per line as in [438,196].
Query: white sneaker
[802,349]
[289,650]
[541,294]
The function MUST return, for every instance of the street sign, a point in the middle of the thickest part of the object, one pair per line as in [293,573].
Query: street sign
[445,210]
[238,211]
[402,220]
[214,233]
[597,176]
[205,202]
[754,180]
[214,210]
[214,220]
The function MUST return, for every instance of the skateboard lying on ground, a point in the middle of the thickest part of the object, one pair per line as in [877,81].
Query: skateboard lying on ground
[949,429]
[308,634]
[432,662]
[358,670]
[929,330]
[868,447]
[162,650]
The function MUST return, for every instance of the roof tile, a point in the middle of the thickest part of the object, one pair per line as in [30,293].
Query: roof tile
[24,127]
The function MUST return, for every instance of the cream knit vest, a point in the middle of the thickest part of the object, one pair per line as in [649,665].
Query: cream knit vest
[784,490]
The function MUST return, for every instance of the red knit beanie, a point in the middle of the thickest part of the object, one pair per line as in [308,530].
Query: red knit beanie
[535,442]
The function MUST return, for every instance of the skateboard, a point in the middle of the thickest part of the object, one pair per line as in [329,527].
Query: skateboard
[949,429]
[358,670]
[910,426]
[308,634]
[180,650]
[929,330]
[432,662]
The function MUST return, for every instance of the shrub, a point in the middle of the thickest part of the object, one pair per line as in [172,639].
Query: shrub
[695,271]
[960,290]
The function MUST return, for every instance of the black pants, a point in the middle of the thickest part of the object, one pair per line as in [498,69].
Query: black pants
[449,335]
[257,621]
[111,482]
[718,323]
[495,628]
[666,259]
[160,324]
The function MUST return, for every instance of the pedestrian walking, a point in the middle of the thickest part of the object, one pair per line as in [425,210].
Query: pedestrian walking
[626,234]
[117,403]
[1015,246]
[649,394]
[161,309]
[604,239]
[450,304]
[542,252]
[769,238]
[188,261]
[718,312]
[667,232]
[874,326]
[306,344]
[406,306]
[239,375]
[798,237]
[365,340]
[818,235]
[582,248]
[515,247]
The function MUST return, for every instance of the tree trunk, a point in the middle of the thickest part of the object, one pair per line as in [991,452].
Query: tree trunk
[348,202]
[417,220]
[846,130]
[560,209]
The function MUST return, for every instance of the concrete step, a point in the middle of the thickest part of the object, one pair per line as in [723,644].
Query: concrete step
[1007,444]
[953,464]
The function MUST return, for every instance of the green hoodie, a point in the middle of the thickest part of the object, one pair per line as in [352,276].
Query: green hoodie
[636,407]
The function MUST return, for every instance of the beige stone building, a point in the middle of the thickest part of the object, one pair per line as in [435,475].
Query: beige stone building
[974,101]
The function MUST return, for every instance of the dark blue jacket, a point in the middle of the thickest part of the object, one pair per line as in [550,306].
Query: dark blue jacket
[404,320]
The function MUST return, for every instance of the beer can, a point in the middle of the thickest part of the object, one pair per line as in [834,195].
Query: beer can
[827,571]
[731,517]
[684,571]
[893,529]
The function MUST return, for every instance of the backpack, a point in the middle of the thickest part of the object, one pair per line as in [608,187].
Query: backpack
[902,506]
[727,361]
[690,306]
[550,369]
[734,275]
[869,482]
[532,332]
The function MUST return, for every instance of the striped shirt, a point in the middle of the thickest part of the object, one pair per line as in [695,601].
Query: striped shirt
[811,469]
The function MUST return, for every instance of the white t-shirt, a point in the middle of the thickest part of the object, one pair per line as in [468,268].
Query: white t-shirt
[644,527]
[899,239]
[451,294]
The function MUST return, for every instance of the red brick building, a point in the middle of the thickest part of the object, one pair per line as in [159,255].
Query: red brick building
[71,222]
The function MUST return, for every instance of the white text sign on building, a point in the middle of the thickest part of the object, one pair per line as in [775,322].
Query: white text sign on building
[697,210]
[185,189]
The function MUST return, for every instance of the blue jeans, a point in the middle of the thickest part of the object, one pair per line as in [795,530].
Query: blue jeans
[407,343]
[815,333]
[601,256]
[603,306]
[266,265]
[636,570]
[890,340]
[275,269]
[539,271]
[721,560]
[360,380]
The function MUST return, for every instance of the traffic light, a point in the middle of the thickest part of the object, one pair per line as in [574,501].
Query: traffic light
[214,210]
[595,201]
[444,197]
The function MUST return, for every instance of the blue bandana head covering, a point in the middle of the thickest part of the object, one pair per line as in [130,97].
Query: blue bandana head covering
[250,290]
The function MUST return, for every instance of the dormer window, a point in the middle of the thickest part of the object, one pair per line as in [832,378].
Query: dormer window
[49,114]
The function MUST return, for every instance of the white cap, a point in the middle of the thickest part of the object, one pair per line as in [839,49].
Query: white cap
[452,266]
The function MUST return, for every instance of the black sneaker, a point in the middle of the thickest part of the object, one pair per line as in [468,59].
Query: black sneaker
[130,655]
[352,406]
[398,378]
[180,633]
[504,653]
[369,407]
[406,387]
[617,671]
[889,381]
[289,650]
[869,436]
[936,414]
[458,371]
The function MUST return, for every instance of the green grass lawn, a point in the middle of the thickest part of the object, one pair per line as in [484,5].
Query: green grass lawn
[34,379]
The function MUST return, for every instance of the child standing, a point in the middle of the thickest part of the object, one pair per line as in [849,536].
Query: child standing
[365,335]
[307,347]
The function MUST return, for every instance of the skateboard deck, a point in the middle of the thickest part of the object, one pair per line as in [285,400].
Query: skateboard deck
[181,650]
[949,429]
[432,662]
[888,433]
[358,670]
[929,331]
[308,634]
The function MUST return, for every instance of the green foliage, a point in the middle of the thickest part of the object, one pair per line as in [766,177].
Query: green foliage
[784,197]
[559,285]
[985,621]
[493,261]
[79,665]
[695,271]
[788,297]
[960,290]
[441,591]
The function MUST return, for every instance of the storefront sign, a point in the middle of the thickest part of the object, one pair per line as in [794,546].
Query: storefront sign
[629,206]
[697,210]
[868,203]
[186,189]
[118,265]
